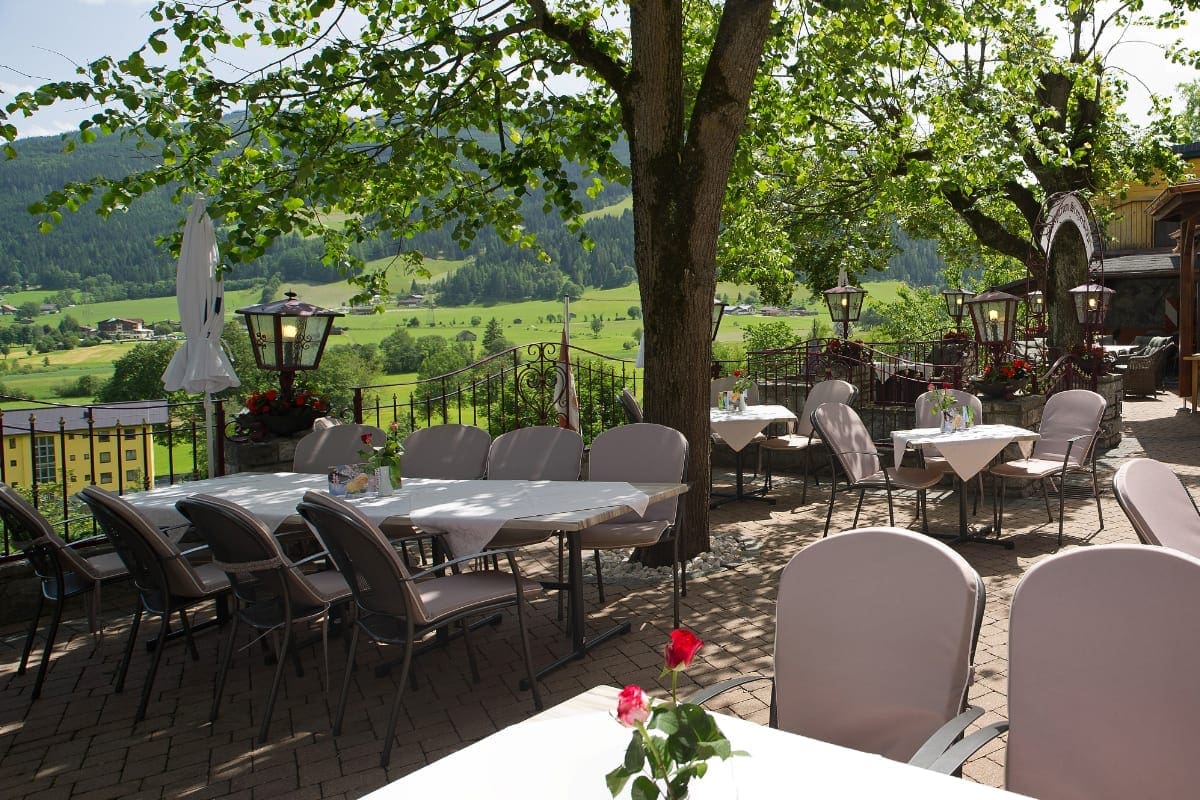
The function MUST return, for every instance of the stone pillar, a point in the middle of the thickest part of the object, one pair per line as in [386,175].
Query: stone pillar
[274,455]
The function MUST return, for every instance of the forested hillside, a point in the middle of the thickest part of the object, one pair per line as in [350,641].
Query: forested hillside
[117,258]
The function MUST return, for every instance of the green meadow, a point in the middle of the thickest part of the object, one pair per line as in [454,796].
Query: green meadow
[39,375]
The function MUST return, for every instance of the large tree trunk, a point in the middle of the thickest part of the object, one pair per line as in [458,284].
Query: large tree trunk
[1067,269]
[679,179]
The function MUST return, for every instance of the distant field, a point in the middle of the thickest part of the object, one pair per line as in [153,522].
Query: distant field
[522,323]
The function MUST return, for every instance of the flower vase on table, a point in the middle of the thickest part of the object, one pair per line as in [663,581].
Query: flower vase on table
[384,460]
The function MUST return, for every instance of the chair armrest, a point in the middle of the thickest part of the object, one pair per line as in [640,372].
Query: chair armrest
[195,549]
[941,739]
[957,755]
[88,541]
[704,695]
[310,559]
[500,551]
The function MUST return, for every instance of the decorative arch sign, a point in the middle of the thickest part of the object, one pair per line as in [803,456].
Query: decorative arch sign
[1068,208]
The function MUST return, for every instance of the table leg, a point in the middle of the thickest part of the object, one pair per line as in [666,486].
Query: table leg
[741,493]
[981,535]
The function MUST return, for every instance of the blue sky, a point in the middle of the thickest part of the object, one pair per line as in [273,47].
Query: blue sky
[42,40]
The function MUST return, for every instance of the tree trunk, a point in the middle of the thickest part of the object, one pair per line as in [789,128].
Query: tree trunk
[679,178]
[1067,269]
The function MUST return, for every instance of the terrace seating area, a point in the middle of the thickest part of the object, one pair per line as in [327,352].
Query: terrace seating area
[79,739]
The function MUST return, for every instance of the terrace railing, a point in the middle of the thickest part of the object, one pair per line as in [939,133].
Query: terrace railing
[50,451]
[514,388]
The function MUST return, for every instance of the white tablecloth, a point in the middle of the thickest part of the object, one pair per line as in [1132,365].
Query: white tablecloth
[738,428]
[967,451]
[527,759]
[468,512]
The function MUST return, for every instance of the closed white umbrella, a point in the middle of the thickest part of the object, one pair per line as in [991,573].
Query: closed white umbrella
[200,365]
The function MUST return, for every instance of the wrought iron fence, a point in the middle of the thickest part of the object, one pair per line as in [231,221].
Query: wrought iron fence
[514,388]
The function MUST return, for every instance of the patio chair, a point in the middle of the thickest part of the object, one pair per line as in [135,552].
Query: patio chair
[632,408]
[542,453]
[166,581]
[270,592]
[62,571]
[1143,373]
[1103,657]
[851,448]
[1069,430]
[396,606]
[875,633]
[1159,507]
[340,444]
[802,438]
[447,452]
[928,417]
[639,453]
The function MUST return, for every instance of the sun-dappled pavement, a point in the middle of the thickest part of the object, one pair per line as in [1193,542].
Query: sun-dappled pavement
[79,739]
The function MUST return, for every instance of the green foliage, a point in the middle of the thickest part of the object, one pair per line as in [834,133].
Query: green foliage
[83,386]
[773,335]
[915,314]
[1189,120]
[137,375]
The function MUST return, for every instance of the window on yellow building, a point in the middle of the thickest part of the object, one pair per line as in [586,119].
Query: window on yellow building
[131,475]
[131,455]
[104,437]
[130,434]
[71,457]
[12,462]
[106,477]
[47,471]
[105,458]
[87,456]
[12,441]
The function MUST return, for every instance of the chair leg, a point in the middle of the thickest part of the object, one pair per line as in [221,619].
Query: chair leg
[560,577]
[891,508]
[808,465]
[187,632]
[861,494]
[998,502]
[37,616]
[829,513]
[394,716]
[1096,494]
[471,661]
[285,648]
[51,633]
[923,509]
[599,577]
[675,578]
[1046,499]
[526,652]
[133,631]
[978,494]
[155,659]
[1062,497]
[223,669]
[341,707]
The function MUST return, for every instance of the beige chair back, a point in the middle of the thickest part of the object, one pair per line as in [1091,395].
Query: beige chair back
[1158,505]
[719,385]
[1075,412]
[640,453]
[874,636]
[542,453]
[447,452]
[832,390]
[1103,657]
[329,447]
[847,439]
[926,416]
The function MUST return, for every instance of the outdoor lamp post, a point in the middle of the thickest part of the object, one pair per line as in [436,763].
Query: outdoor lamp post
[1092,301]
[1036,302]
[956,299]
[288,335]
[845,303]
[994,317]
[718,311]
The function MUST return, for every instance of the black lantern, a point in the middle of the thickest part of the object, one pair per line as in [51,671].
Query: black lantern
[1036,303]
[718,311]
[845,303]
[1092,301]
[994,316]
[288,335]
[956,299]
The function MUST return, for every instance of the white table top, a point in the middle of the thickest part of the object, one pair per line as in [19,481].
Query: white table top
[738,428]
[468,512]
[967,450]
[527,759]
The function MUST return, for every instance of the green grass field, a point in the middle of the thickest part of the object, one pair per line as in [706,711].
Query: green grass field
[40,375]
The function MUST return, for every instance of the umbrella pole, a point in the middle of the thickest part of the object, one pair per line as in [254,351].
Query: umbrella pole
[208,434]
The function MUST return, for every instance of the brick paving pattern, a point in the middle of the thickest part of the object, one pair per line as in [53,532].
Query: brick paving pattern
[79,739]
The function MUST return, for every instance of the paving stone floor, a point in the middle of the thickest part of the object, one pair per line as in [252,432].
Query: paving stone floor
[79,739]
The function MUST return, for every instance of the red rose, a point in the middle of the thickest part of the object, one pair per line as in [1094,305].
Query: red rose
[272,394]
[737,373]
[945,384]
[317,405]
[633,706]
[366,439]
[682,649]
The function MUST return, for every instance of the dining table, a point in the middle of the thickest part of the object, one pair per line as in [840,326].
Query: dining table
[738,428]
[528,758]
[967,450]
[466,513]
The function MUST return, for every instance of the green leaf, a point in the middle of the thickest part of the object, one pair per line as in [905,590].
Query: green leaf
[616,780]
[644,789]
[635,754]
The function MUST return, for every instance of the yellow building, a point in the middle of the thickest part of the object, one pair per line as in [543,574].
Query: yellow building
[111,446]
[1131,229]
